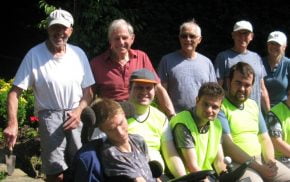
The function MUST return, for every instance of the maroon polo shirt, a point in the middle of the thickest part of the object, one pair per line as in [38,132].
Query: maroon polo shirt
[112,79]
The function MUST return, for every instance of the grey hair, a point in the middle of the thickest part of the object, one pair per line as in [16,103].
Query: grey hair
[190,23]
[117,24]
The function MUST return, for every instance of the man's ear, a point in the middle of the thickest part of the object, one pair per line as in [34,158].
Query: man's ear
[252,36]
[196,99]
[133,38]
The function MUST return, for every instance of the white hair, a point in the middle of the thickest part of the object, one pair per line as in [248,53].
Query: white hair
[118,24]
[190,23]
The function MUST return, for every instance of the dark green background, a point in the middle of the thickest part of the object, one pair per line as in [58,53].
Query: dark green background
[156,23]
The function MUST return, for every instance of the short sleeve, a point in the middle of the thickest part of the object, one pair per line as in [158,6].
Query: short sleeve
[262,124]
[212,76]
[219,65]
[148,65]
[224,121]
[162,70]
[88,76]
[24,76]
[182,137]
[274,125]
[166,133]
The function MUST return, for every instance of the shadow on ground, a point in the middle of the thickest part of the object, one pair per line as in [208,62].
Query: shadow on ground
[27,156]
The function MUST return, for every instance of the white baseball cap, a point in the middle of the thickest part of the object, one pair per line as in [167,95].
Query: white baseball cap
[60,16]
[278,37]
[243,25]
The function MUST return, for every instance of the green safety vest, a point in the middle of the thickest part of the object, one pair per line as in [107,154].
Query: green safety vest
[206,144]
[151,129]
[282,111]
[244,125]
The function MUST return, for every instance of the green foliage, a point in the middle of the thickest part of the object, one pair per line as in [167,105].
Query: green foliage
[47,9]
[25,105]
[1,136]
[3,175]
[30,133]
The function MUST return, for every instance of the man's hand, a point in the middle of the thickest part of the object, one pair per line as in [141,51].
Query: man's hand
[10,134]
[268,170]
[73,119]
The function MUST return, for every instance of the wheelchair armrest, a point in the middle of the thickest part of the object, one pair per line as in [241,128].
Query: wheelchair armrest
[235,174]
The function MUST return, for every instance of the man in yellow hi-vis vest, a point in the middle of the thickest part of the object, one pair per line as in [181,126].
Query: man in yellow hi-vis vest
[245,135]
[151,123]
[197,132]
[278,122]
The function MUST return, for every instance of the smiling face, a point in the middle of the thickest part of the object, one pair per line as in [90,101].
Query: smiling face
[207,107]
[240,88]
[275,49]
[142,93]
[189,37]
[121,41]
[58,35]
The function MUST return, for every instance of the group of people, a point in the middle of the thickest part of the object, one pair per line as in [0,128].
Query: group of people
[202,111]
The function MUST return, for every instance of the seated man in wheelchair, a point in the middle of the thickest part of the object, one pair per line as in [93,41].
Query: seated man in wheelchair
[123,156]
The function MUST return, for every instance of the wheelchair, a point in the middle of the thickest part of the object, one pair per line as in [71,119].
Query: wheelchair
[92,163]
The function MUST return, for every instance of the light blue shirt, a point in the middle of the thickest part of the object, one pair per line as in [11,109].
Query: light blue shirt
[277,80]
[184,77]
[226,59]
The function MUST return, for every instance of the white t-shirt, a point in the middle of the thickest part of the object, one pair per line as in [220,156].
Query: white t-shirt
[57,82]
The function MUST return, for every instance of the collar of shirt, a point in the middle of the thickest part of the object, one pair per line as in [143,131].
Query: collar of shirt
[132,55]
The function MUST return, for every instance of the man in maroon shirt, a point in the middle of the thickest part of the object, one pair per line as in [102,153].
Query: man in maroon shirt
[112,69]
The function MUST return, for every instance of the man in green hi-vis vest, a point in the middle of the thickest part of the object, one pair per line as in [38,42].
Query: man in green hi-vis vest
[278,122]
[245,135]
[197,133]
[151,123]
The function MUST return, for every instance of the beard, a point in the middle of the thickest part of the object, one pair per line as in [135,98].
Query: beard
[238,98]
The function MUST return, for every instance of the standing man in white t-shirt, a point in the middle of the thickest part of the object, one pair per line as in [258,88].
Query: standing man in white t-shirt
[61,79]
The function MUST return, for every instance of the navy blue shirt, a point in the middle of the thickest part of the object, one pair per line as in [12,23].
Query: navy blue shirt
[86,164]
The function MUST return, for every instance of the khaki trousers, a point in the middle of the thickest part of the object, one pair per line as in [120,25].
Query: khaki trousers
[283,174]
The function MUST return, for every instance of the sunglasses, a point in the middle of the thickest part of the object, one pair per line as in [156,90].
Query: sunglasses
[186,36]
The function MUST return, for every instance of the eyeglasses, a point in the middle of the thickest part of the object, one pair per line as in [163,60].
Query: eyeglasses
[186,36]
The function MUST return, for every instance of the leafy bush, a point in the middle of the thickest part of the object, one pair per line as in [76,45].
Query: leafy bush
[3,175]
[25,106]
